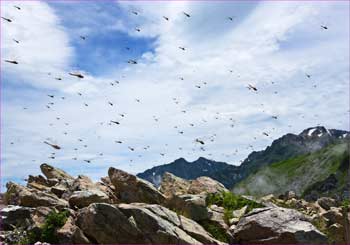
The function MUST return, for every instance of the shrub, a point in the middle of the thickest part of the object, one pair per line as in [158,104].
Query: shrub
[230,202]
[47,233]
[216,231]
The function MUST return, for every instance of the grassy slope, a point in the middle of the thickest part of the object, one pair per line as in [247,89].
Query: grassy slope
[294,174]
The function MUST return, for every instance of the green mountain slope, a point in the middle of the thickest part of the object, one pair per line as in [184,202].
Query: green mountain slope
[324,172]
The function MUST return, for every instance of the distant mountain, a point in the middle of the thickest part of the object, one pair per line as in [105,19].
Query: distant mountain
[321,173]
[185,169]
[286,147]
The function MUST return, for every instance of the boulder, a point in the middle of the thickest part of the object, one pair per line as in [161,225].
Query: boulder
[58,190]
[334,215]
[172,185]
[205,184]
[54,173]
[139,223]
[239,212]
[191,206]
[15,216]
[326,203]
[130,188]
[106,224]
[23,196]
[38,182]
[165,226]
[217,219]
[337,234]
[84,198]
[82,183]
[288,195]
[276,225]
[110,192]
[69,233]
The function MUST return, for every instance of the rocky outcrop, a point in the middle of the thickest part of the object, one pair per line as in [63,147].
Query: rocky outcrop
[189,226]
[15,216]
[191,206]
[54,173]
[172,185]
[122,208]
[326,203]
[205,185]
[277,225]
[165,226]
[106,224]
[23,196]
[129,188]
[84,198]
[139,223]
[69,233]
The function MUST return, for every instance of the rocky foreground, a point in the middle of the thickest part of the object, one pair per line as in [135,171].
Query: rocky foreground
[123,208]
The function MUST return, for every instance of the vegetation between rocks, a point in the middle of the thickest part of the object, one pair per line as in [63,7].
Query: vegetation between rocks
[47,233]
[231,202]
[217,232]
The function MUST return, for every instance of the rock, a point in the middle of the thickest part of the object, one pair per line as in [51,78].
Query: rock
[38,182]
[232,228]
[217,220]
[39,215]
[326,202]
[69,233]
[15,216]
[84,198]
[188,225]
[54,173]
[58,190]
[191,206]
[165,226]
[217,208]
[106,224]
[289,195]
[276,225]
[52,182]
[23,196]
[39,187]
[268,198]
[173,185]
[239,212]
[206,185]
[82,183]
[334,215]
[233,221]
[139,223]
[37,179]
[110,192]
[130,188]
[337,234]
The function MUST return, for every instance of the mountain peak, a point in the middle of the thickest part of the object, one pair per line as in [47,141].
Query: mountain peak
[317,131]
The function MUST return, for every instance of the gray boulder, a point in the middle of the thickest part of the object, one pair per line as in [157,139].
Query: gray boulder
[130,188]
[191,206]
[51,172]
[139,223]
[276,225]
[23,196]
[84,198]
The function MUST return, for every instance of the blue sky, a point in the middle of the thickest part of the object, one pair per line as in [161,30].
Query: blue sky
[270,45]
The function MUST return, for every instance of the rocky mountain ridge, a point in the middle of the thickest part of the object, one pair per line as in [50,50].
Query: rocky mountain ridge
[122,208]
[286,147]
